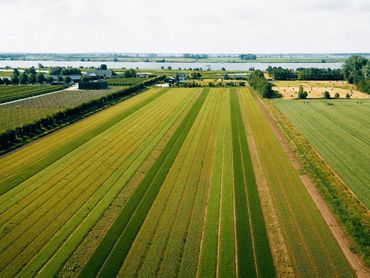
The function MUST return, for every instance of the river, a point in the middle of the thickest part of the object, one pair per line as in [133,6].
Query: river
[174,65]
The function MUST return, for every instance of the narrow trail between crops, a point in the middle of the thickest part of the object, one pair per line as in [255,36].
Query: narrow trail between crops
[340,235]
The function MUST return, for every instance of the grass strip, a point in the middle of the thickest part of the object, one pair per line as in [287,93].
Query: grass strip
[112,250]
[252,240]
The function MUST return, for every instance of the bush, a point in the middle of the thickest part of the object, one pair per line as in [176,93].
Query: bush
[100,85]
[337,95]
[326,95]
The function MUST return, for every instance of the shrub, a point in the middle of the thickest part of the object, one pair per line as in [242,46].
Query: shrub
[326,95]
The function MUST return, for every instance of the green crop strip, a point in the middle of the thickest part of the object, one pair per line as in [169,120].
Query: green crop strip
[12,181]
[111,252]
[252,241]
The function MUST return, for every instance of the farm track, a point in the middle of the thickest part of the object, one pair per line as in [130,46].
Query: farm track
[301,221]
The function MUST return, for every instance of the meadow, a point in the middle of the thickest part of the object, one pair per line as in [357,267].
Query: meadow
[161,184]
[26,111]
[337,130]
[13,92]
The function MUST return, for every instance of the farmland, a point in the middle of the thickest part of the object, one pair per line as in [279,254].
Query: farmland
[27,111]
[316,89]
[337,131]
[13,92]
[161,184]
[125,81]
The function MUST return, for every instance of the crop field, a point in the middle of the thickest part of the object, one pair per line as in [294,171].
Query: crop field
[162,184]
[13,92]
[316,89]
[27,111]
[125,81]
[338,131]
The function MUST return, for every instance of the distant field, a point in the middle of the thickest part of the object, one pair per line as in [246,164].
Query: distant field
[27,111]
[316,89]
[339,131]
[13,92]
[161,184]
[125,81]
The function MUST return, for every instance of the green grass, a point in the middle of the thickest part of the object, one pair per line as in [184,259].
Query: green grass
[254,255]
[338,132]
[14,92]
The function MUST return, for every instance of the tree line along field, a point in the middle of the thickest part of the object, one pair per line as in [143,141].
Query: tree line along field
[13,92]
[339,131]
[26,111]
[162,184]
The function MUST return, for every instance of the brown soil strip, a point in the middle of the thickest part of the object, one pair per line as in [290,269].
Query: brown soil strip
[340,235]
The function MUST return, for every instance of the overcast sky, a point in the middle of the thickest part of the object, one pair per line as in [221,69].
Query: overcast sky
[199,26]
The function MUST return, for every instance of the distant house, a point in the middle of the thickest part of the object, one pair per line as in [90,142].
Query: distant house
[181,76]
[100,73]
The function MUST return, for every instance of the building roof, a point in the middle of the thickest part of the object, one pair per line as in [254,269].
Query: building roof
[100,73]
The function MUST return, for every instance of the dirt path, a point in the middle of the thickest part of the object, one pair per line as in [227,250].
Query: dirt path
[340,235]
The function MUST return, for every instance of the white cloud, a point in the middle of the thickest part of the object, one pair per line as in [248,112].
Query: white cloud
[217,26]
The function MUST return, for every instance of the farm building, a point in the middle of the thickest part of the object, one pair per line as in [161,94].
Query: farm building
[143,74]
[100,73]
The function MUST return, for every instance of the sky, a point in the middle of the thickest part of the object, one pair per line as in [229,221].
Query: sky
[189,26]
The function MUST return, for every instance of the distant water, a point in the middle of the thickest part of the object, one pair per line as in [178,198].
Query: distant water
[155,65]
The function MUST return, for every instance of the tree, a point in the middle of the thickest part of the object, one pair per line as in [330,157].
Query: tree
[67,79]
[40,78]
[49,80]
[337,95]
[227,77]
[15,72]
[103,67]
[352,69]
[40,66]
[301,93]
[1,82]
[131,73]
[32,78]
[23,78]
[326,95]
[169,68]
[15,79]
[223,69]
[348,96]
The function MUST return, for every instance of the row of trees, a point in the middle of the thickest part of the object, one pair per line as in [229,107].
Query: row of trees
[247,56]
[356,70]
[64,71]
[195,56]
[280,73]
[258,82]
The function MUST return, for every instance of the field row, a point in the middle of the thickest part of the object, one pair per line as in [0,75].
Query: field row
[30,110]
[13,92]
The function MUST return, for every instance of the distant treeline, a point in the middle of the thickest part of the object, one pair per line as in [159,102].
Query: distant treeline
[14,138]
[280,73]
[195,56]
[247,56]
[356,70]
[258,82]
